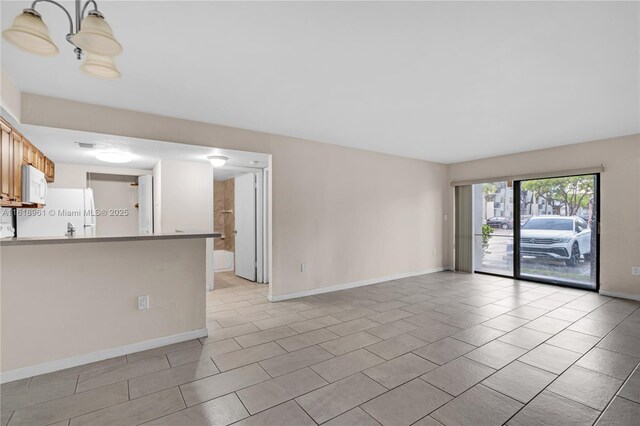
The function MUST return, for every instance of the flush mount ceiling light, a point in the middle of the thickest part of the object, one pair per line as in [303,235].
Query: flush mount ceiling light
[114,156]
[92,35]
[217,160]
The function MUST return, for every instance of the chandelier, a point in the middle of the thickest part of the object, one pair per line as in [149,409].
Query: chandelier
[92,35]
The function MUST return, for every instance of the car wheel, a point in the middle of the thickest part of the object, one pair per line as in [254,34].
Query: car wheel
[505,226]
[575,255]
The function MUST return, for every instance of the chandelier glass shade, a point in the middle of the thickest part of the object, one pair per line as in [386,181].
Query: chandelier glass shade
[97,37]
[100,66]
[91,35]
[31,34]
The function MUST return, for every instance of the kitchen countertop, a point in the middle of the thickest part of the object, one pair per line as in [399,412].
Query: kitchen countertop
[81,238]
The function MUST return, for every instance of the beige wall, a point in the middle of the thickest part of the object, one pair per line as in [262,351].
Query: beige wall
[355,215]
[619,196]
[114,192]
[185,202]
[351,215]
[10,97]
[51,311]
[186,189]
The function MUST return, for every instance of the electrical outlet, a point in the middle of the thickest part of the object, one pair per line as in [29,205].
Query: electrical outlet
[143,302]
[434,251]
[635,270]
[303,267]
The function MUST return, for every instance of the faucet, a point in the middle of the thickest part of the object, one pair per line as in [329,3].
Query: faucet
[71,230]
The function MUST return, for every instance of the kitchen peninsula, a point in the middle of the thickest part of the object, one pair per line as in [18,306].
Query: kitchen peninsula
[51,296]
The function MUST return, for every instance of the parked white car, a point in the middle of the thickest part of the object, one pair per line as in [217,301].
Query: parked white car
[565,238]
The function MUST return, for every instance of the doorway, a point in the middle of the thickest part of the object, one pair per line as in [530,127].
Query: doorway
[556,238]
[543,230]
[240,213]
[493,227]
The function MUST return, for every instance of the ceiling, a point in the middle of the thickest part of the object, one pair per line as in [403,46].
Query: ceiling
[61,146]
[440,81]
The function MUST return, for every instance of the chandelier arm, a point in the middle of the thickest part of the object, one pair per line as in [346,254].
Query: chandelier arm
[33,6]
[86,4]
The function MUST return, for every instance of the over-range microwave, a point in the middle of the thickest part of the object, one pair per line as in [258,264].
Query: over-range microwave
[34,185]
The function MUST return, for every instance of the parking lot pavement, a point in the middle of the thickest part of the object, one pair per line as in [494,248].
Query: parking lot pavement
[496,260]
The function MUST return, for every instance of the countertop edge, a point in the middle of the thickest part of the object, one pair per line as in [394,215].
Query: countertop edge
[9,242]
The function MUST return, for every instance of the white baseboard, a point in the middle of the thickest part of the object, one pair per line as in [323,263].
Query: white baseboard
[347,286]
[61,364]
[629,296]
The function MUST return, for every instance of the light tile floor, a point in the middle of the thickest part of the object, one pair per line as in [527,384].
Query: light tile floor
[443,348]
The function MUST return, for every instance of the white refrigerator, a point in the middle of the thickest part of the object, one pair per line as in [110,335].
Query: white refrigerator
[62,206]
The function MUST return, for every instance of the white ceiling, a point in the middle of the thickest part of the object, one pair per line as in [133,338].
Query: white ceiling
[442,81]
[61,146]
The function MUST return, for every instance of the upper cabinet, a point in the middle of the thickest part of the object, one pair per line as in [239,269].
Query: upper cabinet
[29,153]
[16,151]
[49,169]
[6,163]
[39,161]
[16,140]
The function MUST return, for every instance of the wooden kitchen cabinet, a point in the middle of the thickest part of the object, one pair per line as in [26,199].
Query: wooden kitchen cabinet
[6,163]
[16,193]
[49,170]
[39,161]
[29,153]
[16,151]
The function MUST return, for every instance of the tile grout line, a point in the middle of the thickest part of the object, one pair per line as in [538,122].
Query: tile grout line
[305,411]
[524,405]
[624,382]
[457,291]
[242,402]
[623,397]
[572,364]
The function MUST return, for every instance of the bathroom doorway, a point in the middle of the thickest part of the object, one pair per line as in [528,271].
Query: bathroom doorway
[240,255]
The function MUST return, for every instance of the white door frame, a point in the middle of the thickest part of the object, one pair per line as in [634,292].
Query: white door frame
[260,226]
[266,219]
[263,220]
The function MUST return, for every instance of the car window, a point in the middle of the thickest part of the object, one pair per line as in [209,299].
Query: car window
[556,224]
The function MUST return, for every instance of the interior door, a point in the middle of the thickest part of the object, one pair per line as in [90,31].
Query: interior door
[145,204]
[245,224]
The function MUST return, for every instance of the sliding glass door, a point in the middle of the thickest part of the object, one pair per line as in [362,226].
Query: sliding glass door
[549,234]
[493,216]
[557,234]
